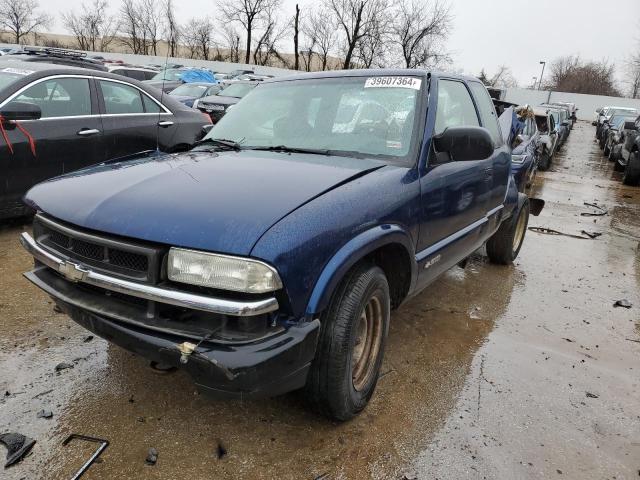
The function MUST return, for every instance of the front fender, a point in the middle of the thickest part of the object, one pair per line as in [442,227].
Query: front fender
[350,254]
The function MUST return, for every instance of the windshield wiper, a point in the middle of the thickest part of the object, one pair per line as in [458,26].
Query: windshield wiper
[220,142]
[284,148]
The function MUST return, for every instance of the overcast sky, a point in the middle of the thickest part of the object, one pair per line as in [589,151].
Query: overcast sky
[489,33]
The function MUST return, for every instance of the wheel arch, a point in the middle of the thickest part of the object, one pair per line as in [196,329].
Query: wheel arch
[388,246]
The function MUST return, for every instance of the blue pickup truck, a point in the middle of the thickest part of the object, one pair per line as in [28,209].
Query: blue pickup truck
[268,258]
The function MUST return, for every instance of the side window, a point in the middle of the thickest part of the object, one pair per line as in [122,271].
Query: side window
[59,97]
[149,75]
[149,105]
[552,123]
[487,111]
[455,107]
[120,98]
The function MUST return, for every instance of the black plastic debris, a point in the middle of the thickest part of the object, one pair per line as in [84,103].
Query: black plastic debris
[63,366]
[45,414]
[88,338]
[152,457]
[591,234]
[624,303]
[592,395]
[221,451]
[17,445]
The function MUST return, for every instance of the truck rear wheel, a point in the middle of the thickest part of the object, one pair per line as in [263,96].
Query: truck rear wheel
[504,245]
[350,350]
[632,171]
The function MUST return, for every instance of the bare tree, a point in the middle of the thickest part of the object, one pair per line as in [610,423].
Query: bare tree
[296,34]
[132,31]
[172,29]
[271,34]
[247,13]
[198,37]
[151,24]
[503,78]
[21,17]
[93,28]
[571,74]
[420,28]
[372,49]
[232,39]
[356,19]
[320,28]
[632,72]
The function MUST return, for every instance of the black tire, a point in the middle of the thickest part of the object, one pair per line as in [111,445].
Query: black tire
[632,171]
[618,167]
[607,150]
[502,247]
[545,161]
[601,141]
[331,384]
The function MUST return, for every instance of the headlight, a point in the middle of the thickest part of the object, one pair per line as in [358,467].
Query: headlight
[221,271]
[518,158]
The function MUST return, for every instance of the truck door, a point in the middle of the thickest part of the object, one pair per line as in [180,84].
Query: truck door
[455,196]
[501,158]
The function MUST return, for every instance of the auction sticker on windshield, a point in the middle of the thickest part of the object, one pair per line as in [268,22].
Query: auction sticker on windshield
[393,82]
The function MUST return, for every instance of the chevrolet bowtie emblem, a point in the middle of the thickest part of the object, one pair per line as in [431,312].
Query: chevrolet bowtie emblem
[72,271]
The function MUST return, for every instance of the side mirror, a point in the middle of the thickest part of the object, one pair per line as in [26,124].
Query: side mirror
[630,125]
[20,111]
[464,143]
[206,128]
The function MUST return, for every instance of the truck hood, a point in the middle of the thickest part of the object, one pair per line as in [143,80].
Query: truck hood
[220,202]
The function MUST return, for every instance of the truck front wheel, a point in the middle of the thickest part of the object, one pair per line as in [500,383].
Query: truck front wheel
[350,350]
[504,245]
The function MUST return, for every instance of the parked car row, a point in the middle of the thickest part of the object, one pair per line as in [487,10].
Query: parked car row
[535,135]
[617,133]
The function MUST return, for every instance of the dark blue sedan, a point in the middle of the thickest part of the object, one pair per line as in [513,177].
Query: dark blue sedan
[187,93]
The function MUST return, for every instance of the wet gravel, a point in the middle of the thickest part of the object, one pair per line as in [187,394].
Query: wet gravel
[520,372]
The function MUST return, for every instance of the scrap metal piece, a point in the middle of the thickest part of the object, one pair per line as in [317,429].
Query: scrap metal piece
[17,445]
[103,444]
[601,210]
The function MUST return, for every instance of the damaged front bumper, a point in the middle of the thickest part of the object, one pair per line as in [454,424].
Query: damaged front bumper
[268,364]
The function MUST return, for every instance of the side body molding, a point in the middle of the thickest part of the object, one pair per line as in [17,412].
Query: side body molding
[350,253]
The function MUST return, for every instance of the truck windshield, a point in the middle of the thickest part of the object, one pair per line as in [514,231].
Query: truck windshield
[372,116]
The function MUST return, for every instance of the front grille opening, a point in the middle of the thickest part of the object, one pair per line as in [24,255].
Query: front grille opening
[129,260]
[59,239]
[141,262]
[87,250]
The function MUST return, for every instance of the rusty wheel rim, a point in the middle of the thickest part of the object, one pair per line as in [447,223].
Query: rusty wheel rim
[520,229]
[367,343]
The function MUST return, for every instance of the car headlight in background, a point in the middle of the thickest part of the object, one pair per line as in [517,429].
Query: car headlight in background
[518,158]
[222,272]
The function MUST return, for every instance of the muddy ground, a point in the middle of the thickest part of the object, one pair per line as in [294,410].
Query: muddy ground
[493,372]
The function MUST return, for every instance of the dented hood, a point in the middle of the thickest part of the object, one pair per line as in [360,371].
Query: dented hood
[220,202]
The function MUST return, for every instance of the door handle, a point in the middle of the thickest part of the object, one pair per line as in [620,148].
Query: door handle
[88,131]
[488,172]
[165,123]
